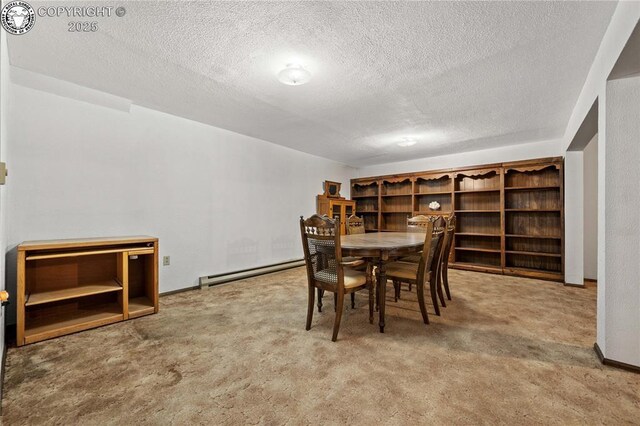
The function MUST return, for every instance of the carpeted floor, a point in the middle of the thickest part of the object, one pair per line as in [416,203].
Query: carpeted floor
[505,351]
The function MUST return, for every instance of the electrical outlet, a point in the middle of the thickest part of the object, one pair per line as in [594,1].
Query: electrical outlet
[166,260]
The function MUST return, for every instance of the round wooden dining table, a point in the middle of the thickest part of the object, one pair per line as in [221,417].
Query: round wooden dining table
[379,248]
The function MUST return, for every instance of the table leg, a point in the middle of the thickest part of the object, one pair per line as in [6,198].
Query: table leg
[382,289]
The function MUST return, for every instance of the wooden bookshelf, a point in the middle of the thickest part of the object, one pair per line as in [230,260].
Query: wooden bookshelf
[66,286]
[510,216]
[534,219]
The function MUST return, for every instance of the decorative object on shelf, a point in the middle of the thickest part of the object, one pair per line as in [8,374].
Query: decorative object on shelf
[332,189]
[434,205]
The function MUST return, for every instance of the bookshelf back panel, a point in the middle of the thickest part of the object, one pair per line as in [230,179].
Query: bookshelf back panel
[534,223]
[538,245]
[364,190]
[533,199]
[396,188]
[549,176]
[478,258]
[490,180]
[370,222]
[543,263]
[478,201]
[472,241]
[397,204]
[394,222]
[478,223]
[367,204]
[433,185]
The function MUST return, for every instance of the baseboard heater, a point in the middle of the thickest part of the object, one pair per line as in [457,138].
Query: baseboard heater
[212,280]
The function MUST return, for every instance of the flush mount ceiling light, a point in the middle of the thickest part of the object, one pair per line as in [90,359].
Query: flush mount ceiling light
[407,142]
[294,75]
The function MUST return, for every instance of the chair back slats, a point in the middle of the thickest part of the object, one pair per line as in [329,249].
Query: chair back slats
[439,223]
[355,225]
[430,253]
[321,244]
[419,223]
[450,236]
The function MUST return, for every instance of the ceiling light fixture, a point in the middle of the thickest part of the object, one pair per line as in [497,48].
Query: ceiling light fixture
[294,75]
[407,142]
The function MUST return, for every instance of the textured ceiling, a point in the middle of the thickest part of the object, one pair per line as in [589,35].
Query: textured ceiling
[456,76]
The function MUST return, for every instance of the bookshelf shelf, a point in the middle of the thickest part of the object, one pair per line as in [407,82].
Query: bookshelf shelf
[531,188]
[531,253]
[539,237]
[478,249]
[477,211]
[476,191]
[433,193]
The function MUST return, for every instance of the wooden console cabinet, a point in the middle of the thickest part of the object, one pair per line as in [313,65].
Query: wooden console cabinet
[336,208]
[65,286]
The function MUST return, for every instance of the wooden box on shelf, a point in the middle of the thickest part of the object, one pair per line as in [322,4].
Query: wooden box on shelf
[65,286]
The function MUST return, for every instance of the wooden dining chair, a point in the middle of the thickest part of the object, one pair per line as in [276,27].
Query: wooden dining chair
[326,270]
[355,225]
[418,223]
[449,238]
[425,271]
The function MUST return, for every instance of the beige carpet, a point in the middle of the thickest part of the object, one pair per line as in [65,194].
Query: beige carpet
[505,351]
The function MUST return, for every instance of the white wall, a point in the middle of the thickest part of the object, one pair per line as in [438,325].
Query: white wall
[609,316]
[574,218]
[622,23]
[622,201]
[526,151]
[217,200]
[590,180]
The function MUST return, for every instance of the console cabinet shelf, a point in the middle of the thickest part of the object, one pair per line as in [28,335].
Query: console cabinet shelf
[510,216]
[65,286]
